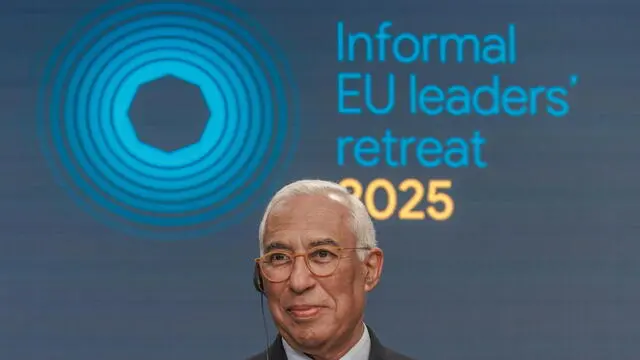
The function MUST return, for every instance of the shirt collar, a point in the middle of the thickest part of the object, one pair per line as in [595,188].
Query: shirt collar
[360,351]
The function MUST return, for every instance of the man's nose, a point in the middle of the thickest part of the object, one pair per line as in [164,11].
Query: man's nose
[301,278]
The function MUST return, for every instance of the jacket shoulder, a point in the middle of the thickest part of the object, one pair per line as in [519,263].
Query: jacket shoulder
[380,352]
[259,356]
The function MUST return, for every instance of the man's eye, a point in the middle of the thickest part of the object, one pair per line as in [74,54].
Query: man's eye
[322,254]
[278,257]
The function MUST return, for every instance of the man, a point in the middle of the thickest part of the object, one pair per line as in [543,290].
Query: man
[318,260]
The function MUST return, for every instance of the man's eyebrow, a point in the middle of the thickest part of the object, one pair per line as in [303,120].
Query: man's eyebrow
[324,242]
[276,246]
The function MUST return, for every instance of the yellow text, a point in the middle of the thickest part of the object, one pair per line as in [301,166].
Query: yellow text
[427,200]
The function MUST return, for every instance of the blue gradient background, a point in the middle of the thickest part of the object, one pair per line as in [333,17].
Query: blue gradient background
[92,78]
[540,260]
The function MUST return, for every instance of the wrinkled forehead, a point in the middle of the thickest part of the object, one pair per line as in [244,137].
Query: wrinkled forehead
[306,221]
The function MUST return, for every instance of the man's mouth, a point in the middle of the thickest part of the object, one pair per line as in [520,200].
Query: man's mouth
[304,312]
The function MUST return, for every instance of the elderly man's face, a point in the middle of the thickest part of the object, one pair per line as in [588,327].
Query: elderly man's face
[316,313]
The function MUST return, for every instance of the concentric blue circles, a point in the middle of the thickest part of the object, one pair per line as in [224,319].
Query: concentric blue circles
[91,144]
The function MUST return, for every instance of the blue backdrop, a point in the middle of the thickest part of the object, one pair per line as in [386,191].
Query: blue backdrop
[530,250]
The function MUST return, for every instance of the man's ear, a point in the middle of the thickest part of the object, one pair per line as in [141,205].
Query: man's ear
[373,268]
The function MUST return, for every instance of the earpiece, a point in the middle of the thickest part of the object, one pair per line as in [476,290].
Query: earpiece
[259,285]
[257,280]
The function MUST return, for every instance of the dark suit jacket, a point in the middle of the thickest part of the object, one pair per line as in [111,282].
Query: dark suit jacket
[378,352]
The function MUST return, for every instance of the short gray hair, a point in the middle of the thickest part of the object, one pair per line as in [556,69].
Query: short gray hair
[361,224]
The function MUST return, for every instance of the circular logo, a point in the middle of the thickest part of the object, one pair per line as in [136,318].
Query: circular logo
[97,153]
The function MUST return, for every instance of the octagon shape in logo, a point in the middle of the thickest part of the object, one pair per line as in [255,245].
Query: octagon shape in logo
[92,145]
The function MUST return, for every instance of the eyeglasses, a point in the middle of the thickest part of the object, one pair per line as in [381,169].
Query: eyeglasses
[276,266]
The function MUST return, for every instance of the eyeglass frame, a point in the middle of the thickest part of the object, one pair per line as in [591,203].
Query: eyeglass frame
[305,255]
